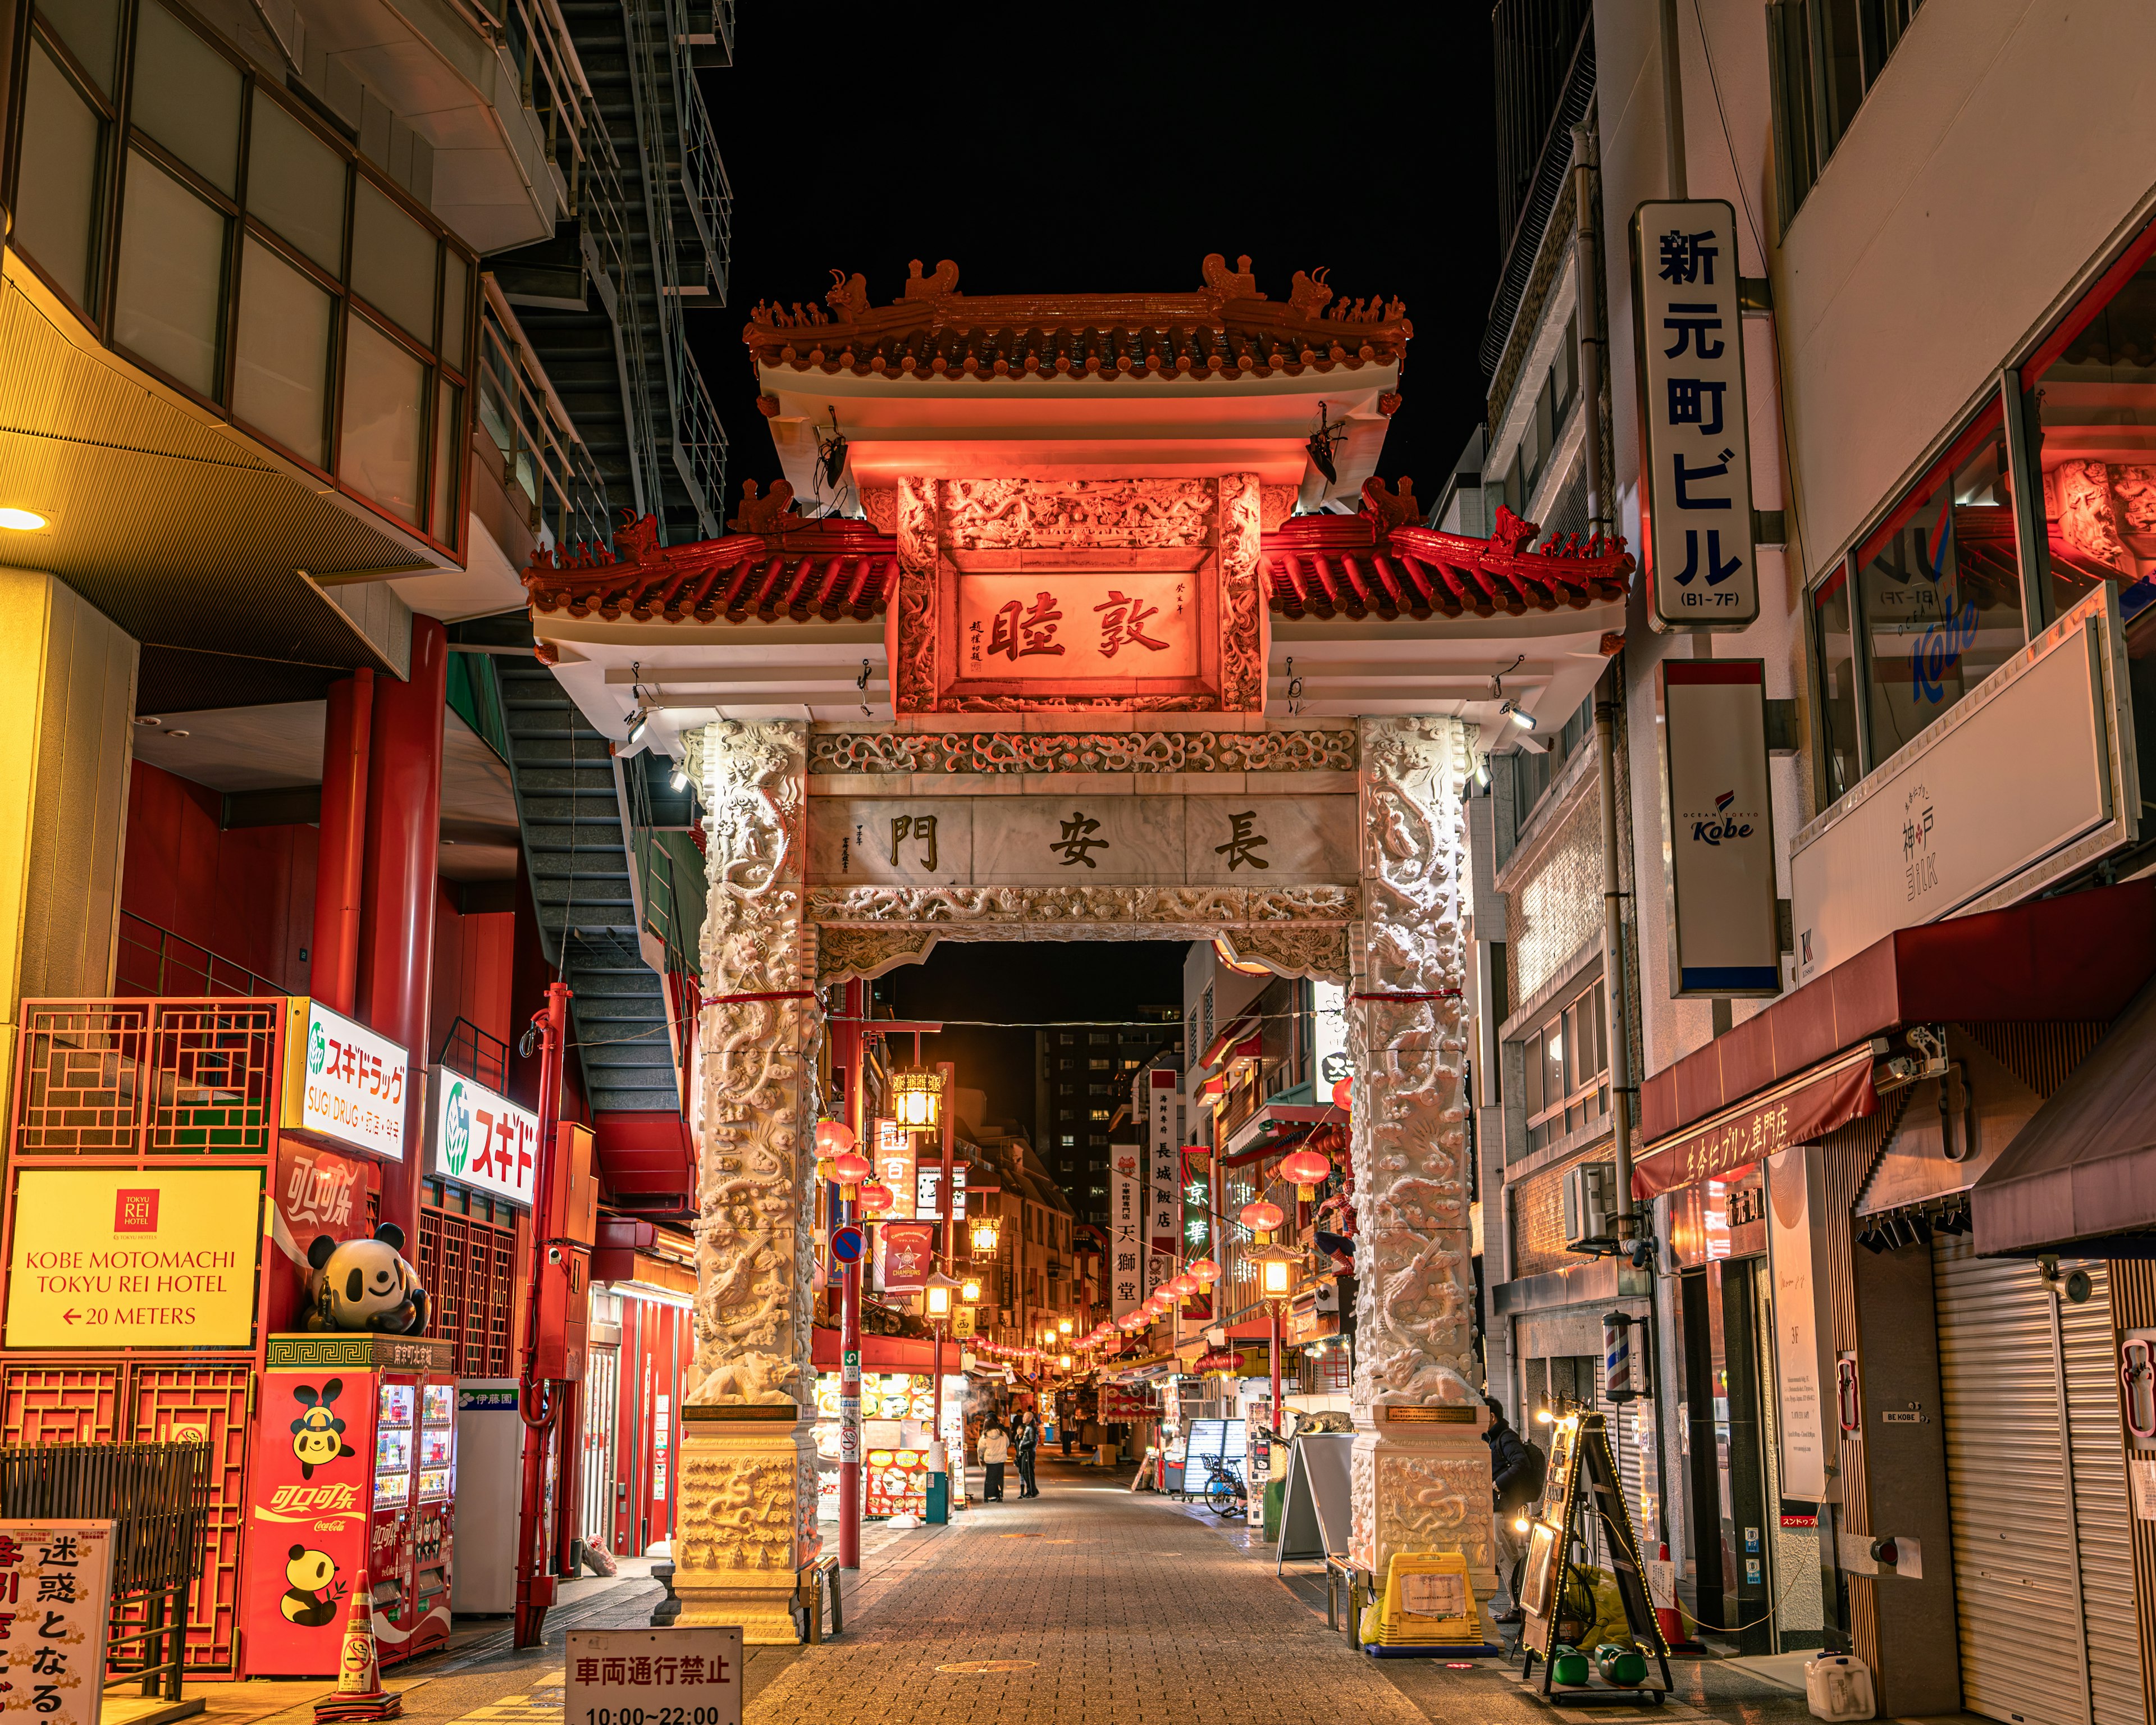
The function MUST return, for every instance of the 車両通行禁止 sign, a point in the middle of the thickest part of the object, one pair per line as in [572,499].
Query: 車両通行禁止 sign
[671,1676]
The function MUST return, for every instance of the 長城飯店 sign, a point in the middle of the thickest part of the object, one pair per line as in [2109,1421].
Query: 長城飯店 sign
[134,1257]
[343,1081]
[1696,485]
[1718,828]
[479,1138]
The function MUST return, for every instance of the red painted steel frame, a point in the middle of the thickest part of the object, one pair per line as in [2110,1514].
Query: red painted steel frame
[333,974]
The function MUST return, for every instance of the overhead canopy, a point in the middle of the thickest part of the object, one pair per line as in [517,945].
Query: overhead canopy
[2080,1178]
[2081,958]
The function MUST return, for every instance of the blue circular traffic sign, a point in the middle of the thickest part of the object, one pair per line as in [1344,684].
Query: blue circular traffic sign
[848,1243]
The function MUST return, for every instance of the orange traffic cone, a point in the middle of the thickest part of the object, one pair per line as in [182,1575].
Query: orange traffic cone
[359,1695]
[1669,1621]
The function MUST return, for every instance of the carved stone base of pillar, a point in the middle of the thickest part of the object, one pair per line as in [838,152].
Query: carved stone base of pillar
[748,1522]
[1422,1484]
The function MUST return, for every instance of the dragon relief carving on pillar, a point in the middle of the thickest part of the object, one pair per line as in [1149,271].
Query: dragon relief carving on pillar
[912,640]
[740,1513]
[753,1244]
[1407,1046]
[1242,606]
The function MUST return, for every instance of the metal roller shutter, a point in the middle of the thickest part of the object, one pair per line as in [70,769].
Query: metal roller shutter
[2102,1517]
[2023,1503]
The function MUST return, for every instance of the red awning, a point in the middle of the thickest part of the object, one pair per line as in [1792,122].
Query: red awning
[1800,1111]
[2080,956]
[1248,1027]
[882,1353]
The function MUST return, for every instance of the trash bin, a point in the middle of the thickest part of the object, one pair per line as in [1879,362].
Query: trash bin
[939,1510]
[1105,1455]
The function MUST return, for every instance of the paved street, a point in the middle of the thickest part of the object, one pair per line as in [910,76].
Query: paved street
[1088,1604]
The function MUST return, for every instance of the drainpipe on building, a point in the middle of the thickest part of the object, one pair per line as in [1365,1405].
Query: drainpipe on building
[1587,269]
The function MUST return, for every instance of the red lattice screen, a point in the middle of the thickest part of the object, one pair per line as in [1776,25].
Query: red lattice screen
[59,1404]
[79,1085]
[174,1404]
[468,1265]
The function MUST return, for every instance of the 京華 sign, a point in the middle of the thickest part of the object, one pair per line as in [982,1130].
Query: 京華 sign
[479,1138]
[343,1081]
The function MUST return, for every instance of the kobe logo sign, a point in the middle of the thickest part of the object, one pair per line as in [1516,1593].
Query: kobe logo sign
[1713,829]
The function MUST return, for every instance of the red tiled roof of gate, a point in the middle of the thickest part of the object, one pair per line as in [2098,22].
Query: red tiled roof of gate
[1359,566]
[1224,329]
[1381,563]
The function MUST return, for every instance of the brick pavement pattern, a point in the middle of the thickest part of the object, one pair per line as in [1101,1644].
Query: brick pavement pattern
[1121,1608]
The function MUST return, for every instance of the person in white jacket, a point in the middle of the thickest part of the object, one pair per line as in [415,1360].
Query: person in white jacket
[995,1451]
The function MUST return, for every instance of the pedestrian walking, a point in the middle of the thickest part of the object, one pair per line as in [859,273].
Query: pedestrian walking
[1024,1443]
[1518,1469]
[995,1451]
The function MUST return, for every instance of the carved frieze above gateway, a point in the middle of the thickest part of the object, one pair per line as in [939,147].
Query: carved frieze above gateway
[835,752]
[865,931]
[991,514]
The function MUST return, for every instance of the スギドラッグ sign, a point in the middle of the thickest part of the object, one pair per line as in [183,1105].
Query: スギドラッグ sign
[343,1081]
[480,1137]
[143,1257]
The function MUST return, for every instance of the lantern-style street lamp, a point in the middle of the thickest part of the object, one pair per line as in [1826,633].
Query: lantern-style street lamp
[917,1099]
[984,1236]
[1063,1326]
[970,1293]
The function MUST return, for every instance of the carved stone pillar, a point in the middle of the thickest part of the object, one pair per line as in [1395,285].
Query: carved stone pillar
[1421,1478]
[748,1509]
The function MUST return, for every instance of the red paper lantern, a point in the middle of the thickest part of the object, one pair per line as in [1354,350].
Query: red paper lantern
[1183,1285]
[877,1197]
[1261,1217]
[832,1136]
[850,1169]
[1344,1091]
[1309,1169]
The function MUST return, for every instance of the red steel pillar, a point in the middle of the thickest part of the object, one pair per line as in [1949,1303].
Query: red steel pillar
[397,924]
[948,1113]
[341,858]
[852,1051]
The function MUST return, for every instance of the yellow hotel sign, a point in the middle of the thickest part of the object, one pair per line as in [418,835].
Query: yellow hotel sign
[133,1257]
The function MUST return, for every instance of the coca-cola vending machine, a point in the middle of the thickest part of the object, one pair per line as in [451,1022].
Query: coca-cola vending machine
[354,1474]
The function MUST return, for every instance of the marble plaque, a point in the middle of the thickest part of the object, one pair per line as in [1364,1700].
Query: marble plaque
[1082,839]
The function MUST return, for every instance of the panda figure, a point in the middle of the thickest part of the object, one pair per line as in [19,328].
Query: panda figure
[365,1285]
[315,1595]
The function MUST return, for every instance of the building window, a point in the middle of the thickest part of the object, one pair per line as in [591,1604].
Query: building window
[1934,606]
[1824,57]
[1567,1062]
[2090,396]
[1070,1141]
[1099,1114]
[227,270]
[1100,1065]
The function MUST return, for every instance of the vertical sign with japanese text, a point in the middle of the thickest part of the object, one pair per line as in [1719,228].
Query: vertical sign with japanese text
[1718,828]
[1163,1194]
[1696,497]
[894,1166]
[1125,1244]
[1198,1221]
[55,1596]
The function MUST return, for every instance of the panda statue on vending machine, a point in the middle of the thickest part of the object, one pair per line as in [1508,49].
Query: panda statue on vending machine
[365,1285]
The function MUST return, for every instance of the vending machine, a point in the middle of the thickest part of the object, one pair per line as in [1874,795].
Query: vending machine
[354,1475]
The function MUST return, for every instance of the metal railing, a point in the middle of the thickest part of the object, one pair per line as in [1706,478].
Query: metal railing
[703,180]
[157,1498]
[153,963]
[656,36]
[480,1054]
[603,201]
[541,453]
[670,888]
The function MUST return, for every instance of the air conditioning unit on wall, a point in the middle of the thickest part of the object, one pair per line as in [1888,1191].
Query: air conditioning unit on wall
[1590,1208]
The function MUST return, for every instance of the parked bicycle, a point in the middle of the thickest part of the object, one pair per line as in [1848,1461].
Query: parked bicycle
[1225,1494]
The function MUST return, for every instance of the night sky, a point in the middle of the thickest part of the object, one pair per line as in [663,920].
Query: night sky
[1109,149]
[1023,982]
[1106,149]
